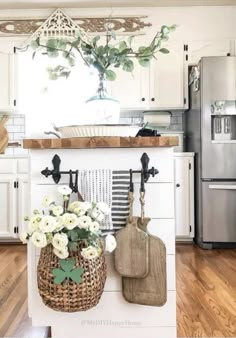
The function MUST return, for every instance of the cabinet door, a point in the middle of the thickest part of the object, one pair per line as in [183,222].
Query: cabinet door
[182,196]
[166,78]
[131,88]
[23,198]
[7,208]
[198,49]
[7,76]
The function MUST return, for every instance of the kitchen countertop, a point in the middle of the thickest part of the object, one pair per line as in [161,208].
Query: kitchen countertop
[100,142]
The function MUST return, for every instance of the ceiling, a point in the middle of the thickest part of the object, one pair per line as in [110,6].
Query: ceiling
[17,4]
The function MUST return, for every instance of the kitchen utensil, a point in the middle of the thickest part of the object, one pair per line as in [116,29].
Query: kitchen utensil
[3,134]
[131,254]
[98,130]
[152,289]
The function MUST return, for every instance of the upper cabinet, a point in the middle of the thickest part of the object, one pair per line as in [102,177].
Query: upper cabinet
[8,81]
[167,79]
[159,86]
[198,49]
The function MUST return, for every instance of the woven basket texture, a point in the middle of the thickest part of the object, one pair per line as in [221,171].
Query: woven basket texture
[71,297]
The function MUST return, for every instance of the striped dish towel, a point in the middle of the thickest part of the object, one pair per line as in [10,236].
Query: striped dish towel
[111,187]
[96,186]
[120,202]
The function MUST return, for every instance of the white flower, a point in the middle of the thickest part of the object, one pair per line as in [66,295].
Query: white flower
[24,237]
[47,200]
[94,227]
[110,243]
[97,214]
[61,253]
[79,208]
[84,222]
[103,207]
[57,210]
[47,224]
[89,253]
[74,205]
[59,225]
[34,223]
[64,190]
[70,221]
[60,241]
[39,239]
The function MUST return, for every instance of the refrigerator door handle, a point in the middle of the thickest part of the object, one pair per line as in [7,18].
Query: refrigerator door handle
[222,187]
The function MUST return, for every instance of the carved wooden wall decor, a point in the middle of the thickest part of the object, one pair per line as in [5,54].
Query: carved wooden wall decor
[30,26]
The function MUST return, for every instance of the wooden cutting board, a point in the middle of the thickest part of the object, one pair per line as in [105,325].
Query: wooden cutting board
[151,290]
[3,134]
[131,254]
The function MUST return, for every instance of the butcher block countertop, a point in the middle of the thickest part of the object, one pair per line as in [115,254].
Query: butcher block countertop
[101,142]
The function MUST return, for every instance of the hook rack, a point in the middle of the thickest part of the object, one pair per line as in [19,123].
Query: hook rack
[56,172]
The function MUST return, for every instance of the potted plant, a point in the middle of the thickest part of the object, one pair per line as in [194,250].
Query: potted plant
[71,271]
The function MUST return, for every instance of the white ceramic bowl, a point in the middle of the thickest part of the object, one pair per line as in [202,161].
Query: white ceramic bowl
[98,130]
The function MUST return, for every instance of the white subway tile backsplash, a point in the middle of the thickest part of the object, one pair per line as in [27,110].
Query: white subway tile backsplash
[16,129]
[9,122]
[19,136]
[19,121]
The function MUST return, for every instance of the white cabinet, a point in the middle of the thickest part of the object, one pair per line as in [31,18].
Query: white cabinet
[198,49]
[184,195]
[7,206]
[14,196]
[8,76]
[167,78]
[157,87]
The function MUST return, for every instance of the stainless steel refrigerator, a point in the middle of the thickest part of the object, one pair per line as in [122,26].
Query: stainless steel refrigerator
[211,134]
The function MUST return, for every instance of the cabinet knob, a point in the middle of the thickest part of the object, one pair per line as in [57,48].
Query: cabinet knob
[153,99]
[143,98]
[177,185]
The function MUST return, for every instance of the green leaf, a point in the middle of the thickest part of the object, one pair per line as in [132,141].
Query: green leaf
[165,30]
[141,49]
[76,275]
[122,46]
[73,246]
[130,40]
[164,50]
[95,40]
[34,44]
[67,265]
[60,276]
[52,43]
[100,50]
[73,235]
[53,53]
[144,62]
[110,75]
[71,61]
[128,66]
[147,51]
[173,28]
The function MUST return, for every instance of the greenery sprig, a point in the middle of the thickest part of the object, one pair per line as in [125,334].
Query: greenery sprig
[103,57]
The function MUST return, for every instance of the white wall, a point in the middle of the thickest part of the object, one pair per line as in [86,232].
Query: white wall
[194,23]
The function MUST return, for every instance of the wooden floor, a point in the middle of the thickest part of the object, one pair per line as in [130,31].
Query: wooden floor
[206,293]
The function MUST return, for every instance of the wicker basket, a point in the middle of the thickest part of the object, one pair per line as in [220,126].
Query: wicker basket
[71,297]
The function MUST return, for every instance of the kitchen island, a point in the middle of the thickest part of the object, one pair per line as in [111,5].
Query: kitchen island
[113,316]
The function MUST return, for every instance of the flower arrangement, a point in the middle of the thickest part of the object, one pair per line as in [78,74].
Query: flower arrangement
[65,226]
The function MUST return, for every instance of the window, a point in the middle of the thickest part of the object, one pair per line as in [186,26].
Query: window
[45,101]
